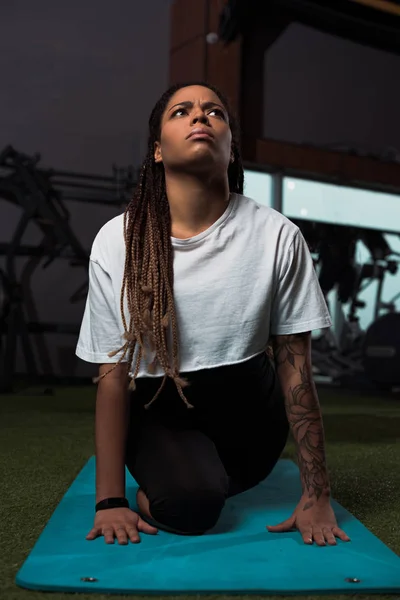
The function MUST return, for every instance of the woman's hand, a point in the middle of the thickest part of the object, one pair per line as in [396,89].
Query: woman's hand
[120,523]
[316,522]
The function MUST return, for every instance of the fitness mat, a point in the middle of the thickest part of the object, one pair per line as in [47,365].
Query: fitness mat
[238,556]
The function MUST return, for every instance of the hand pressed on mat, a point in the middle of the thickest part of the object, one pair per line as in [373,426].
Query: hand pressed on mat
[316,522]
[120,523]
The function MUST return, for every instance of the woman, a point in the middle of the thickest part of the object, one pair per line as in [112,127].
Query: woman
[186,289]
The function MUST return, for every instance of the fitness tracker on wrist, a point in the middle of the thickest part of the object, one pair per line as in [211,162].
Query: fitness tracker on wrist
[112,503]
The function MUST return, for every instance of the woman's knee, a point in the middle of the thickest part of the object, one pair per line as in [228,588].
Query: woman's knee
[190,512]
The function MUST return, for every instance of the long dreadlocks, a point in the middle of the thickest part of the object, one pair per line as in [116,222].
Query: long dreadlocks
[148,275]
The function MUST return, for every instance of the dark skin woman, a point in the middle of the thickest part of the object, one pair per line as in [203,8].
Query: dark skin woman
[195,413]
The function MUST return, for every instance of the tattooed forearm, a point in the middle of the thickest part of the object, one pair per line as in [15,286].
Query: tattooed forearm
[292,359]
[305,420]
[286,347]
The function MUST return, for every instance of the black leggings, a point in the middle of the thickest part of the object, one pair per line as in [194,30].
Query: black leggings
[189,461]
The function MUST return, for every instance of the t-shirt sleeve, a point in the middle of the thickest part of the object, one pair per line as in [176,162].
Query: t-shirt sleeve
[299,304]
[100,331]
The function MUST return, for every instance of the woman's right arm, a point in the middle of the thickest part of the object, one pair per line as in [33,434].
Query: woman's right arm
[112,412]
[112,418]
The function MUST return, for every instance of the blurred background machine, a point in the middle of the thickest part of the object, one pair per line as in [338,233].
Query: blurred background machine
[41,194]
[347,354]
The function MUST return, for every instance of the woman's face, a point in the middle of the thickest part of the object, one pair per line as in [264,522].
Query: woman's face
[195,133]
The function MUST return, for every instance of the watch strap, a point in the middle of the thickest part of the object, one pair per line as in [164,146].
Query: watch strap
[112,503]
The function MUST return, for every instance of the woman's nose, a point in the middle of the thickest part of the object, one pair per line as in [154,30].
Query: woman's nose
[199,117]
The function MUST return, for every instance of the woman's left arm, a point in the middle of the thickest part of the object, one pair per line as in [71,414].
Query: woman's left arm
[313,516]
[292,356]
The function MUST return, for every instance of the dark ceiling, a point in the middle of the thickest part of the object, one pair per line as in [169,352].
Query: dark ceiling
[356,20]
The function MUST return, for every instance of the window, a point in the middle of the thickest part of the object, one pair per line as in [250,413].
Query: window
[327,203]
[258,186]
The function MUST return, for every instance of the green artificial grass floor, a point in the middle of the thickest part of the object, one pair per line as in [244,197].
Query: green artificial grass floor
[46,440]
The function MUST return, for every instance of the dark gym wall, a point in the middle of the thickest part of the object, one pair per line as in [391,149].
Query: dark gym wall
[78,78]
[78,81]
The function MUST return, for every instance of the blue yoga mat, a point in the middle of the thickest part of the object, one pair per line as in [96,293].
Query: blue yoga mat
[238,556]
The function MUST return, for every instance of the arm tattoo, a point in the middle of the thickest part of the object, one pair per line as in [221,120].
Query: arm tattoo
[287,351]
[303,411]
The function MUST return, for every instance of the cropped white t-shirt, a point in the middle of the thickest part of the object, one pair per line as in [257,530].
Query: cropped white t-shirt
[246,277]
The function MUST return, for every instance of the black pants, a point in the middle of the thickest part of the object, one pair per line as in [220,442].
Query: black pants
[189,461]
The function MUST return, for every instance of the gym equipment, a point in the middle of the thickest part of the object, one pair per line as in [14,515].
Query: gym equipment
[381,351]
[238,556]
[381,365]
[348,354]
[41,193]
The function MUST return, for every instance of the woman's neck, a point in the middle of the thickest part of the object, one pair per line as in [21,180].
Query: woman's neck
[195,203]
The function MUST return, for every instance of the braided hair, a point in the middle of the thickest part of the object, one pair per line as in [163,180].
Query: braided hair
[148,275]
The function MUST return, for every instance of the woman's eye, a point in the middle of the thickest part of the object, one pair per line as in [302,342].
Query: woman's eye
[177,112]
[218,112]
[183,111]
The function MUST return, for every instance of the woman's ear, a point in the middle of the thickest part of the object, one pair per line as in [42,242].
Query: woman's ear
[157,152]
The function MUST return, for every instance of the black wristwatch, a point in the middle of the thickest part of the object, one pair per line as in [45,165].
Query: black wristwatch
[112,503]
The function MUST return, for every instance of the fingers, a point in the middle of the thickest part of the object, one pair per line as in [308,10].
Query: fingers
[133,534]
[307,535]
[93,534]
[146,528]
[287,525]
[318,536]
[340,534]
[121,534]
[323,536]
[110,534]
[329,536]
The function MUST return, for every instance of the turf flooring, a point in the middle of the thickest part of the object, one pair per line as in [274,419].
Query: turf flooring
[46,439]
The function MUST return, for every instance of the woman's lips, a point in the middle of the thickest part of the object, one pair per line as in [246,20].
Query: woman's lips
[200,134]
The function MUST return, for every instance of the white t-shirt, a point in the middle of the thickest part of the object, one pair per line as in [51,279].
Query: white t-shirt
[247,276]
